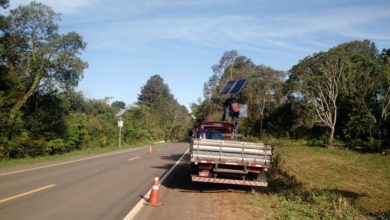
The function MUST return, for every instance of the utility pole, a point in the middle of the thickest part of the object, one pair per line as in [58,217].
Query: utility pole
[120,125]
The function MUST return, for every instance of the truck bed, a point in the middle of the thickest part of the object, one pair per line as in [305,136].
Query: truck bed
[230,151]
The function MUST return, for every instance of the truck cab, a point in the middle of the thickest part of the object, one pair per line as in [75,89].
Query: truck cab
[215,130]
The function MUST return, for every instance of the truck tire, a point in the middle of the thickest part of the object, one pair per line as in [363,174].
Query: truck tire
[194,169]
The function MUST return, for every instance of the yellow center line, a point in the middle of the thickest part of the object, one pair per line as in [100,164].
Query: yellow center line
[134,158]
[26,193]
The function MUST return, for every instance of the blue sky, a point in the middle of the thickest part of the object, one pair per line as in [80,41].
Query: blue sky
[131,40]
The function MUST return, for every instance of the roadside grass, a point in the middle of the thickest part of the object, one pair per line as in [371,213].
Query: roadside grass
[310,182]
[6,163]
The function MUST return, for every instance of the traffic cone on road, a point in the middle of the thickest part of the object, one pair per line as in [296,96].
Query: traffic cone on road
[150,149]
[156,180]
[154,197]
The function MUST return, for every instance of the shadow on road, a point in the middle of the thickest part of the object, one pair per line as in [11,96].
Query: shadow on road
[180,179]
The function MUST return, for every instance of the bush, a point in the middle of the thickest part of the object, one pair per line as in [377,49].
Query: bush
[56,146]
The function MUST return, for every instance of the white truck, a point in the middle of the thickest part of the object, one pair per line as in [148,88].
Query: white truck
[216,158]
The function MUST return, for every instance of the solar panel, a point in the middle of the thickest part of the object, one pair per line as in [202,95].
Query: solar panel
[238,86]
[226,89]
[121,111]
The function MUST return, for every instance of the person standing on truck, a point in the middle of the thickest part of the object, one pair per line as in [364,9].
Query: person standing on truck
[232,107]
[226,108]
[234,111]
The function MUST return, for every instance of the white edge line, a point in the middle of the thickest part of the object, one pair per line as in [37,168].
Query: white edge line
[68,162]
[137,208]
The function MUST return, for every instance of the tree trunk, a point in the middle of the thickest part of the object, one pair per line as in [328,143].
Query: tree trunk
[333,125]
[330,140]
[20,103]
[261,127]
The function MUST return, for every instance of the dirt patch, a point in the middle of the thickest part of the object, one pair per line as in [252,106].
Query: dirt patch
[228,205]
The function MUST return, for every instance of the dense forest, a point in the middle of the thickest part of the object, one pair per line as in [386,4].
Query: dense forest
[40,111]
[337,97]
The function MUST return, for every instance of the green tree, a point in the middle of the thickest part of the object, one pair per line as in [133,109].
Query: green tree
[264,91]
[155,92]
[384,84]
[366,96]
[39,68]
[38,56]
[4,4]
[118,105]
[172,118]
[319,78]
[212,86]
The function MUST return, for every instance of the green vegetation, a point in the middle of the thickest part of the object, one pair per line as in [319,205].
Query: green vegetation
[340,97]
[316,183]
[162,117]
[40,112]
[342,94]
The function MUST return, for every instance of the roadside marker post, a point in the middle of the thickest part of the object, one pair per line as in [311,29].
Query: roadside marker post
[120,125]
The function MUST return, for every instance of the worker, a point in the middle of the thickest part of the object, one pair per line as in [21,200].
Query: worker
[232,107]
[226,108]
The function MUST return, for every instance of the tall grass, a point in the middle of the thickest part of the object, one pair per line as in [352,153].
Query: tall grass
[310,182]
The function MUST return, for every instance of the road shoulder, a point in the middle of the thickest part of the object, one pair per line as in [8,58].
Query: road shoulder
[183,199]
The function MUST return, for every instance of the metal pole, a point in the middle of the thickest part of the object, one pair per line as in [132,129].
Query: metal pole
[120,134]
[120,137]
[236,133]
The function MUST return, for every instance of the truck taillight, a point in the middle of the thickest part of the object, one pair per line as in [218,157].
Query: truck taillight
[204,173]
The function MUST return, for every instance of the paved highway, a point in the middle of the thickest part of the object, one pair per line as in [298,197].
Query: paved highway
[102,187]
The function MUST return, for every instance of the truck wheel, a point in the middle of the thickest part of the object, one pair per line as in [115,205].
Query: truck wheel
[194,169]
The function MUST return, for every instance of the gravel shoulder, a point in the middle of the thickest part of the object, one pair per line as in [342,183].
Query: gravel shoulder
[182,199]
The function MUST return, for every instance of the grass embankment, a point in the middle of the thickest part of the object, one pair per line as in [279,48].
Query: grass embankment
[316,183]
[5,163]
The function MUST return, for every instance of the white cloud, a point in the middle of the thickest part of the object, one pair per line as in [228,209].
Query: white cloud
[282,31]
[173,3]
[120,14]
[344,21]
[118,6]
[112,25]
[206,31]
[61,6]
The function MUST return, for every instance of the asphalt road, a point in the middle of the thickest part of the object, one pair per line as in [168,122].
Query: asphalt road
[182,199]
[103,187]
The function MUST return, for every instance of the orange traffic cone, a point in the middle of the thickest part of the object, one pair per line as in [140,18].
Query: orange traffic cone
[154,197]
[150,149]
[156,180]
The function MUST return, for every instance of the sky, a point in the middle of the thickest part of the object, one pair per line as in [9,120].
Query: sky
[128,41]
